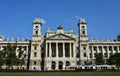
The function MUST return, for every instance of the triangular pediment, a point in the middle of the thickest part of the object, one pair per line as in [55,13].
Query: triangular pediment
[61,37]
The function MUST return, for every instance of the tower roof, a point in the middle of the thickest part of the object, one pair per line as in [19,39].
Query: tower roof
[82,21]
[37,21]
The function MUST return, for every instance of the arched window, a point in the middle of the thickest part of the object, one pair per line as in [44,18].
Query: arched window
[36,32]
[35,47]
[53,65]
[83,32]
[35,54]
[67,63]
[83,27]
[84,54]
[34,62]
[36,27]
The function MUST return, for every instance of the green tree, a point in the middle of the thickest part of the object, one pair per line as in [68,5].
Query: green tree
[1,59]
[114,60]
[10,52]
[99,59]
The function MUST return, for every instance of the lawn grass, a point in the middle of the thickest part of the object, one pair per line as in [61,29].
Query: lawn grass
[63,74]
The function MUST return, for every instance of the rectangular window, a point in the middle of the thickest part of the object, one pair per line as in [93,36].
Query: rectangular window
[60,49]
[105,48]
[110,48]
[100,48]
[35,47]
[34,62]
[95,48]
[84,48]
[53,46]
[105,55]
[67,50]
[115,48]
[90,55]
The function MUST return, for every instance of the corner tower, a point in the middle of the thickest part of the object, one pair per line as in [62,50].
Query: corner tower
[36,49]
[37,24]
[83,42]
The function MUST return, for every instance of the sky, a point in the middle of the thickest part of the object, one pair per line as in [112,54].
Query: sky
[102,16]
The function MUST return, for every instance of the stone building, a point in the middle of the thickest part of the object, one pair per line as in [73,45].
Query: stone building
[57,49]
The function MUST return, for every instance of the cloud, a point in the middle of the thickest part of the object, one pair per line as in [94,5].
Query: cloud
[43,21]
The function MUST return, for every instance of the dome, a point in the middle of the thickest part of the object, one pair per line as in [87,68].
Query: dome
[82,21]
[37,21]
[59,27]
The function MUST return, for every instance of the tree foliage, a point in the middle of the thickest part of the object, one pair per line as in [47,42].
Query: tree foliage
[11,57]
[99,59]
[8,56]
[114,60]
[1,59]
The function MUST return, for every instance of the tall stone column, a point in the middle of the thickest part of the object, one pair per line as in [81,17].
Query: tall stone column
[112,52]
[107,52]
[63,49]
[74,51]
[57,49]
[26,51]
[92,52]
[46,49]
[117,49]
[50,54]
[103,51]
[97,50]
[70,49]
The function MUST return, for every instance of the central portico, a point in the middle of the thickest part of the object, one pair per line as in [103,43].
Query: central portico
[60,49]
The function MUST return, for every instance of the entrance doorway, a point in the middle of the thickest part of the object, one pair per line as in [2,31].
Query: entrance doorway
[53,65]
[60,65]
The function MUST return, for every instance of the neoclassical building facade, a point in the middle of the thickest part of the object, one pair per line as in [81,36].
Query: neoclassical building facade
[57,49]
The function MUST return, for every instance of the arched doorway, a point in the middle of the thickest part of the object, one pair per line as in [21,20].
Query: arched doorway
[53,65]
[60,65]
[67,63]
